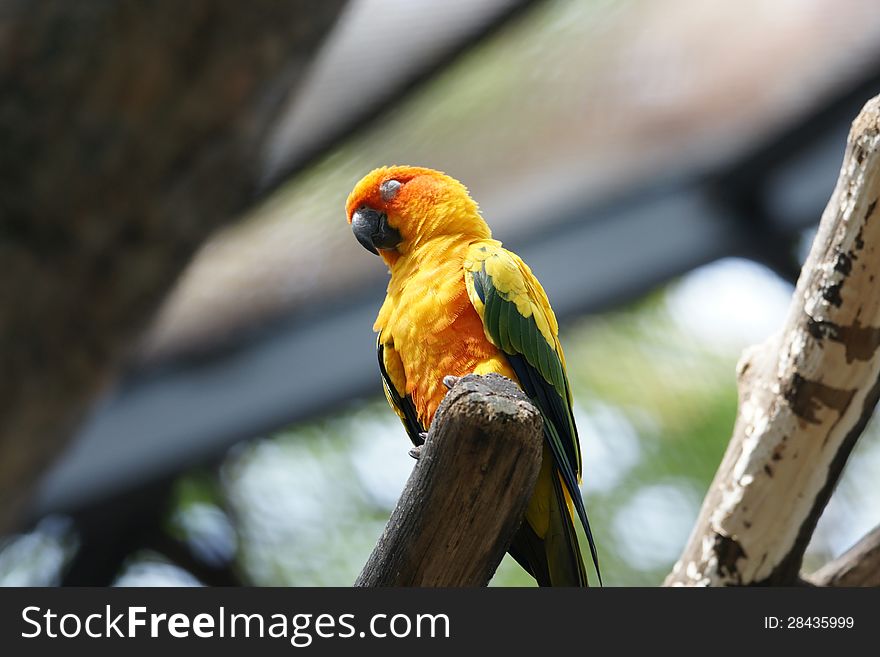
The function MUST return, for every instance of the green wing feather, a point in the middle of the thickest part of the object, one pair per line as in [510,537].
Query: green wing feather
[517,319]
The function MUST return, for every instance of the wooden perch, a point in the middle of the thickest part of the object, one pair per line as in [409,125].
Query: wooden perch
[468,492]
[805,395]
[858,566]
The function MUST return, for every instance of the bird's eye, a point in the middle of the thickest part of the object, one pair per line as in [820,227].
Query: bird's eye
[388,189]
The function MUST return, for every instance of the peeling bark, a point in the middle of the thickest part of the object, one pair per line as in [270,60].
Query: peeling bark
[805,395]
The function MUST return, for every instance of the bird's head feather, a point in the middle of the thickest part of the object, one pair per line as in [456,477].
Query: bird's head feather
[399,209]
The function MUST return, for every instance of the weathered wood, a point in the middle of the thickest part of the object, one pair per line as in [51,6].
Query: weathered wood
[468,492]
[129,131]
[805,395]
[858,566]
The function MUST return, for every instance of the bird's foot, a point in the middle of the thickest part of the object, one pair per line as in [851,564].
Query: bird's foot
[416,450]
[450,380]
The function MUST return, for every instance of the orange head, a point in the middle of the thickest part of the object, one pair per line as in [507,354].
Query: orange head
[395,210]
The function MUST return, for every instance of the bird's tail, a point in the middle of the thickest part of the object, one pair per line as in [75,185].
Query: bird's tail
[555,559]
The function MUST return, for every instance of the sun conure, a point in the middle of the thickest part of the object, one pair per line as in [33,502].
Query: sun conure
[458,303]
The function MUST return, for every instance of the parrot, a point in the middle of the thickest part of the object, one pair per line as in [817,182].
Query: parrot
[459,303]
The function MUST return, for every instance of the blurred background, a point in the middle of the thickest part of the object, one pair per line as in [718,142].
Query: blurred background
[661,167]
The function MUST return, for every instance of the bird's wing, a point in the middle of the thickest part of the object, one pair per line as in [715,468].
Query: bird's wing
[394,381]
[517,319]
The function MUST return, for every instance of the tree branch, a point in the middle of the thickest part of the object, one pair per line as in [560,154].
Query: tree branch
[858,566]
[805,395]
[468,492]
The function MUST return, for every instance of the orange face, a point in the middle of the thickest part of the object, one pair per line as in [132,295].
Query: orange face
[394,210]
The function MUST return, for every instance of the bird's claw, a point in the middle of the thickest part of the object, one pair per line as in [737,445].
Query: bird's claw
[450,380]
[416,451]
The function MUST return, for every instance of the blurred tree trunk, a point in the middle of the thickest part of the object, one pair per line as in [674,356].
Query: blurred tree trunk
[130,130]
[805,397]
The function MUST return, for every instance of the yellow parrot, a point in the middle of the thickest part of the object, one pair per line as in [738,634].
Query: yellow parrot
[459,303]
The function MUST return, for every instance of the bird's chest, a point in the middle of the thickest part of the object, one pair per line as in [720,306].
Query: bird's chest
[436,332]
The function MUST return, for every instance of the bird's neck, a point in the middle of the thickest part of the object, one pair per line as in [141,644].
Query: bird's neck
[433,257]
